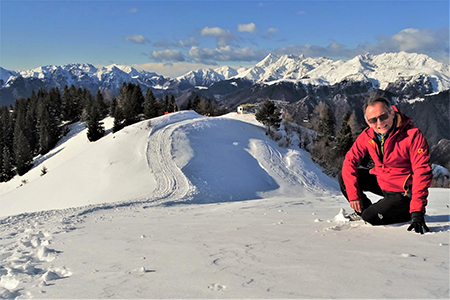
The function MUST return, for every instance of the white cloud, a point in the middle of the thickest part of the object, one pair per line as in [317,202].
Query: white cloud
[223,37]
[412,39]
[270,33]
[168,55]
[251,28]
[226,54]
[186,43]
[434,43]
[136,39]
[189,42]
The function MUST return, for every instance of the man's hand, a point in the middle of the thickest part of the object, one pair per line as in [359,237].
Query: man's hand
[418,222]
[356,205]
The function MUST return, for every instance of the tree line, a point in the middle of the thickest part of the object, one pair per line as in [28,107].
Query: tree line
[330,142]
[34,125]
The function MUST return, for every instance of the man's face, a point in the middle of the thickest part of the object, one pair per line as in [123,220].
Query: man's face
[384,119]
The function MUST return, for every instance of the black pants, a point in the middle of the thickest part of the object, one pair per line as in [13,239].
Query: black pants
[392,208]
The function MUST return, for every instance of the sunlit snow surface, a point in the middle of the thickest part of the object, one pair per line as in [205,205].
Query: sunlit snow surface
[185,206]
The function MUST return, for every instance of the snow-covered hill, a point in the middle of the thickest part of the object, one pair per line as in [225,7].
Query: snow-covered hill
[183,154]
[185,206]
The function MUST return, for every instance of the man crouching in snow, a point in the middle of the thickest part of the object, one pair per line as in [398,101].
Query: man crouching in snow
[402,173]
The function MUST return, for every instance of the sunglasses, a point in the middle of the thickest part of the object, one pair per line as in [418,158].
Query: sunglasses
[382,118]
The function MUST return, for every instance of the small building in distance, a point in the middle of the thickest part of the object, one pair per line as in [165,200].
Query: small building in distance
[246,108]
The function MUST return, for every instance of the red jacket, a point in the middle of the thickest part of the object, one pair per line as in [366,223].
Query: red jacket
[406,162]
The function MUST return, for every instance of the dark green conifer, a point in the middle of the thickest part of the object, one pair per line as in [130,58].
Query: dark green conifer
[269,115]
[22,154]
[7,169]
[150,105]
[95,125]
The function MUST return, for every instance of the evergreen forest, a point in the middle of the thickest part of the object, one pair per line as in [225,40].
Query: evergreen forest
[34,125]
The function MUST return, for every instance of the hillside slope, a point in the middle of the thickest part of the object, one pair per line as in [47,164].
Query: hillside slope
[178,157]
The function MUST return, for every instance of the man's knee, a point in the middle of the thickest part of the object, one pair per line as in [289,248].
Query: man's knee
[372,216]
[381,213]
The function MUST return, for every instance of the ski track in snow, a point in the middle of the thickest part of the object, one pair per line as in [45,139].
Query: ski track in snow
[172,185]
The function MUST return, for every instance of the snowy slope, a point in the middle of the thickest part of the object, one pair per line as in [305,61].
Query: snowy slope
[185,206]
[173,158]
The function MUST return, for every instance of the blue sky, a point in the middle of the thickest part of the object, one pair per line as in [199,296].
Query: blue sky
[173,37]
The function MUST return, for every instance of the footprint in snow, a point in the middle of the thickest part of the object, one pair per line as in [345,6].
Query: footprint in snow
[217,287]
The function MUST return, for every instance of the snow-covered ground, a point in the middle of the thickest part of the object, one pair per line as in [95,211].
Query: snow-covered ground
[185,206]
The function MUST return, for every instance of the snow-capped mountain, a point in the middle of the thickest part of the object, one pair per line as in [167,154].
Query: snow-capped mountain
[380,70]
[399,72]
[111,78]
[205,77]
[5,75]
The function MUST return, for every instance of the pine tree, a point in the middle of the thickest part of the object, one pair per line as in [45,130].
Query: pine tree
[22,154]
[113,106]
[344,138]
[269,115]
[72,102]
[322,151]
[86,103]
[355,126]
[138,101]
[203,107]
[48,124]
[102,106]
[6,131]
[118,119]
[195,103]
[189,105]
[95,125]
[173,107]
[165,106]
[325,127]
[6,171]
[150,105]
[30,130]
[131,102]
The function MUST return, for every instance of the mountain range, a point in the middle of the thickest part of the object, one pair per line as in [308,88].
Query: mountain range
[416,83]
[400,71]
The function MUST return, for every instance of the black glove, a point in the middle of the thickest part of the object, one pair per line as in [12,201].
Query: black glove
[418,222]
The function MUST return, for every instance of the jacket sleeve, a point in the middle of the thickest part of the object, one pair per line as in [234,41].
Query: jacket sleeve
[421,172]
[350,165]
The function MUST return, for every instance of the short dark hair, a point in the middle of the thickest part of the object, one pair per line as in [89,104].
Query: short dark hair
[377,98]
